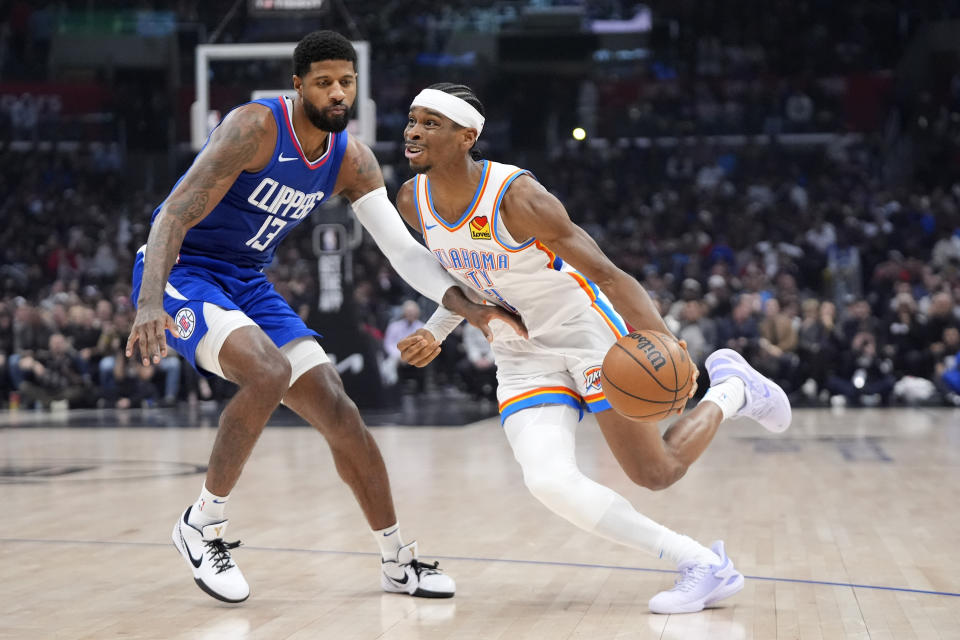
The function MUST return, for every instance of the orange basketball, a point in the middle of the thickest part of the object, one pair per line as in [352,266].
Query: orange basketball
[646,375]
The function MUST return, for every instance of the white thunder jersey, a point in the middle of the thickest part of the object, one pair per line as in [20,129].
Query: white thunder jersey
[526,277]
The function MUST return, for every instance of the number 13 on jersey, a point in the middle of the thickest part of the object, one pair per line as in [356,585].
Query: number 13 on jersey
[270,222]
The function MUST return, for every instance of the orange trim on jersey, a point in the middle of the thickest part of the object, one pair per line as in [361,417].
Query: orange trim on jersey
[583,285]
[469,214]
[607,319]
[594,397]
[551,256]
[536,392]
[417,204]
[507,181]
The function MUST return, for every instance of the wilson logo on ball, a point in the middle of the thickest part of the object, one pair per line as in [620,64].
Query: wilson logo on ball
[646,375]
[654,356]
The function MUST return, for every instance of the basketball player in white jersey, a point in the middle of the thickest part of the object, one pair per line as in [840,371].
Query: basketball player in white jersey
[510,242]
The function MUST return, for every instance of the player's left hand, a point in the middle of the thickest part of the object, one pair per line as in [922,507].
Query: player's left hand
[419,348]
[693,376]
[481,315]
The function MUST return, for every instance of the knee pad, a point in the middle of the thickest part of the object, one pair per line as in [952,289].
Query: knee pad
[303,353]
[220,324]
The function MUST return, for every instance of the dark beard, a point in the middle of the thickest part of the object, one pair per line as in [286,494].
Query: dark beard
[321,119]
[421,169]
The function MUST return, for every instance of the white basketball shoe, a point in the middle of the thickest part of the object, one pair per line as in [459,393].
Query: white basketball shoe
[209,558]
[699,585]
[408,575]
[766,402]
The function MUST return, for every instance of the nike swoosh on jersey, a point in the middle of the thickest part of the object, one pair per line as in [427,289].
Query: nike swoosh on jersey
[282,159]
[429,226]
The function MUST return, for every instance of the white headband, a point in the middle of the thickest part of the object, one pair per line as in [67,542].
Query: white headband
[457,109]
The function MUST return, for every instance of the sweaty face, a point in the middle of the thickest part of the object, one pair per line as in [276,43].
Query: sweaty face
[430,139]
[328,92]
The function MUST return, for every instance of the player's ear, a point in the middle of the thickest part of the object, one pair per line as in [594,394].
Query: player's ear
[297,84]
[469,136]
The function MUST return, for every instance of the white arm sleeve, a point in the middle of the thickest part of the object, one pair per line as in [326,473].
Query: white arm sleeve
[414,262]
[442,322]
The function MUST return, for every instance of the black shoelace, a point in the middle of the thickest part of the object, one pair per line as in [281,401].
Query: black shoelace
[424,568]
[220,553]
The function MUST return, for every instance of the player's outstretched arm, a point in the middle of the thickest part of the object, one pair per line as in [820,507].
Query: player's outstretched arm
[529,210]
[361,182]
[244,141]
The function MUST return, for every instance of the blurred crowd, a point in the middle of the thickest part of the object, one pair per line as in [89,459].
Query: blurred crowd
[845,290]
[834,267]
[841,287]
[708,67]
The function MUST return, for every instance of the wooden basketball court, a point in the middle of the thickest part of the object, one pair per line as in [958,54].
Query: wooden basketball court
[846,526]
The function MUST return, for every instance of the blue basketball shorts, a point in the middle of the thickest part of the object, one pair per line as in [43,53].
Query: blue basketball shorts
[190,287]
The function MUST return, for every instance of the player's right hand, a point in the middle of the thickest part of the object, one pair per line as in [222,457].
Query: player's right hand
[148,327]
[693,378]
[419,348]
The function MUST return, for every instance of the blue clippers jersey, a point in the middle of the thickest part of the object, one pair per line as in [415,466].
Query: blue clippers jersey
[261,208]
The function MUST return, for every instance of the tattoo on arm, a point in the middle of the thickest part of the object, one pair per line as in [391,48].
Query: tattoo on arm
[231,149]
[364,173]
[365,163]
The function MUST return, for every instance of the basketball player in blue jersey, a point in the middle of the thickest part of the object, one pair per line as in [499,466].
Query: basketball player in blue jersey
[511,242]
[200,277]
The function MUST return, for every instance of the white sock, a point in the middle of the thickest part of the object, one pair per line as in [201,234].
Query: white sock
[729,395]
[624,524]
[207,509]
[389,541]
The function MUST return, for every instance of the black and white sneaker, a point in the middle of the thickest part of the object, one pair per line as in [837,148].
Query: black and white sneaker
[408,575]
[209,558]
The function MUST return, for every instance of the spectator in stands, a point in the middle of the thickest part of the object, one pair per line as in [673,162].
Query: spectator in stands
[739,331]
[858,317]
[84,334]
[718,297]
[478,370]
[30,336]
[777,347]
[135,385]
[697,329]
[816,344]
[862,376]
[394,370]
[55,376]
[905,337]
[941,313]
